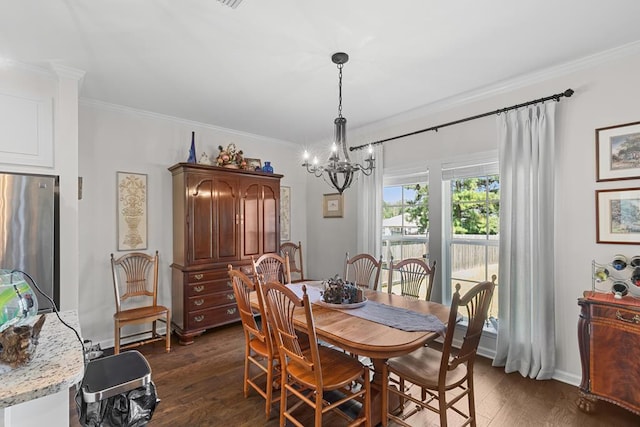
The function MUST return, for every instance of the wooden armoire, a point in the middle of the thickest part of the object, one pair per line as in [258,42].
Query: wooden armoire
[220,216]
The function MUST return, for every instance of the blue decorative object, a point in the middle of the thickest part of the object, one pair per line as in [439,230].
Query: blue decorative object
[267,167]
[192,150]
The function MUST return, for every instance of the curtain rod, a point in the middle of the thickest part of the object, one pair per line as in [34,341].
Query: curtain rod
[555,97]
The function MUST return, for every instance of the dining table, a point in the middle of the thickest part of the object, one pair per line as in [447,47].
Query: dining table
[376,340]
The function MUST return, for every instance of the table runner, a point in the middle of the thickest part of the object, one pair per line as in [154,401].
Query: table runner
[399,318]
[396,317]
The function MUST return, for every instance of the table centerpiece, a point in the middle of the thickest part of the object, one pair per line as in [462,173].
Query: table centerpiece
[342,294]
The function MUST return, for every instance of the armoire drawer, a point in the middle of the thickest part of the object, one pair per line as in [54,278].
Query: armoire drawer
[213,316]
[204,288]
[200,302]
[207,276]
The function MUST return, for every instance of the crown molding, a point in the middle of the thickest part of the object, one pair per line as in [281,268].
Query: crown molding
[158,116]
[506,86]
[43,71]
[68,72]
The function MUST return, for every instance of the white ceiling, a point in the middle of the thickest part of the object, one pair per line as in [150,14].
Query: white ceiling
[265,67]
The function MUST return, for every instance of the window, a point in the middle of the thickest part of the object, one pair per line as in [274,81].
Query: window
[405,220]
[471,222]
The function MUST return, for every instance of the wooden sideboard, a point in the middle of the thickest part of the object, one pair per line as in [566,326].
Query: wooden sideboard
[220,216]
[609,341]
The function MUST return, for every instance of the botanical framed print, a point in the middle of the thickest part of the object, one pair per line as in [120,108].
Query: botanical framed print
[132,211]
[253,164]
[285,213]
[333,205]
[618,216]
[618,152]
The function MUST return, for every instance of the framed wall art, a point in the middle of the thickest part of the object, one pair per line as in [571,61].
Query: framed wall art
[132,211]
[618,152]
[333,206]
[253,164]
[618,216]
[285,214]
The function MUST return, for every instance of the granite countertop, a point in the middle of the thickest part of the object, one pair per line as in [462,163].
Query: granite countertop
[58,363]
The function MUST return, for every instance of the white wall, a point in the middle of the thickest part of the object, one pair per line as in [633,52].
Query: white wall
[606,94]
[114,138]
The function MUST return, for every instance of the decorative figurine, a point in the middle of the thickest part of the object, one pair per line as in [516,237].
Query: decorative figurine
[204,159]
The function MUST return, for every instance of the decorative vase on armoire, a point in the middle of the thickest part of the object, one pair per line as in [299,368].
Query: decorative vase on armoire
[267,167]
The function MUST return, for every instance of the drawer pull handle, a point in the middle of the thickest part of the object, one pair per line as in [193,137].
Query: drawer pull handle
[199,302]
[199,318]
[229,284]
[198,276]
[198,288]
[231,297]
[635,319]
[231,310]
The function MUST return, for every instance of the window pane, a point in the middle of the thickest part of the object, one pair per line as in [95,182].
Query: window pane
[474,224]
[468,262]
[405,224]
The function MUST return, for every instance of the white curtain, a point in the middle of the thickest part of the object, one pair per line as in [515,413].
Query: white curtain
[526,326]
[369,222]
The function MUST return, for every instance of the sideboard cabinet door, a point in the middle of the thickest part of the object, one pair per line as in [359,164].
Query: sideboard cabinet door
[609,341]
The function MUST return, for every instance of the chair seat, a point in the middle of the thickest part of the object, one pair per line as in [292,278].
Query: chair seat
[422,367]
[260,347]
[141,313]
[339,370]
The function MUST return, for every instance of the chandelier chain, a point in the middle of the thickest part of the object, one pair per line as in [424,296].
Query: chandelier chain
[340,90]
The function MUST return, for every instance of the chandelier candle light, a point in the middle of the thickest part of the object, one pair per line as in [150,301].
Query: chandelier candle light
[339,169]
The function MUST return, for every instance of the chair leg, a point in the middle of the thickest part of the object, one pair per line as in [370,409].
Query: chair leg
[442,403]
[472,404]
[116,344]
[247,353]
[168,333]
[269,386]
[283,399]
[367,398]
[318,408]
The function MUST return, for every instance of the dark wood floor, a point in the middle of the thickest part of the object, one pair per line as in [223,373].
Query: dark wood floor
[201,385]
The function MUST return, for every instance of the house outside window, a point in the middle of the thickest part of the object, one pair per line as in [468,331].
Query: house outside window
[405,220]
[471,227]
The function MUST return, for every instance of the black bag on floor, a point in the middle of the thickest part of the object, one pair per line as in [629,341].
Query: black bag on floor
[133,408]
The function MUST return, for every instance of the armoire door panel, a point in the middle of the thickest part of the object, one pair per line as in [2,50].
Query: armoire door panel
[271,219]
[226,219]
[200,221]
[251,219]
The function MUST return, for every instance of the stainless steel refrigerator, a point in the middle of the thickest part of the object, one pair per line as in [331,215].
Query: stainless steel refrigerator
[29,231]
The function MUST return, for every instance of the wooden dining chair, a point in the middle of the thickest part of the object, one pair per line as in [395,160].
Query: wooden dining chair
[310,374]
[441,375]
[273,267]
[413,274]
[296,266]
[259,348]
[363,270]
[135,285]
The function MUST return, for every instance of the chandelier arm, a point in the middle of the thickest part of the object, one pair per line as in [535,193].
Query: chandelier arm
[315,170]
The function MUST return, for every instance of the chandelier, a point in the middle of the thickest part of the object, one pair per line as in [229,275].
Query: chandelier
[339,171]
